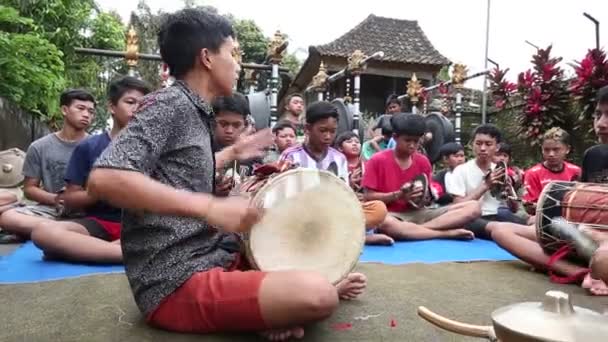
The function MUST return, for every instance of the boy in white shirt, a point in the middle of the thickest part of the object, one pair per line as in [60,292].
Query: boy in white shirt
[470,181]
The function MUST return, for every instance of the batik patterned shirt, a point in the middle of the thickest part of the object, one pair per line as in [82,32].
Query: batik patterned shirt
[169,140]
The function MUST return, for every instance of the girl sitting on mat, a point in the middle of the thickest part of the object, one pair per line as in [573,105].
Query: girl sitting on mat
[348,143]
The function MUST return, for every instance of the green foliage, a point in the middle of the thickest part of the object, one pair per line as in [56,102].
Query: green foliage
[61,22]
[43,40]
[11,21]
[31,68]
[147,24]
[291,62]
[252,41]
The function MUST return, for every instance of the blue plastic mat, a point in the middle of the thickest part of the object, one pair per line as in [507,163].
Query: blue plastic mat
[25,265]
[433,251]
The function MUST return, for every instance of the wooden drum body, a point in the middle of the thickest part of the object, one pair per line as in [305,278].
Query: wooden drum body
[313,221]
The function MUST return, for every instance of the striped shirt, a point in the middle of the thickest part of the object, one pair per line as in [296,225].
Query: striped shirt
[299,155]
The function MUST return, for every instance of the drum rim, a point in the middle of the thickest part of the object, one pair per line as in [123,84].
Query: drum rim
[349,192]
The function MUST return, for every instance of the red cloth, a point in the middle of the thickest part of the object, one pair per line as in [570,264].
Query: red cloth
[214,301]
[436,189]
[383,174]
[112,228]
[538,176]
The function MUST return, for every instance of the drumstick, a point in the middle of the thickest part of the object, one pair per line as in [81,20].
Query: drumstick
[485,331]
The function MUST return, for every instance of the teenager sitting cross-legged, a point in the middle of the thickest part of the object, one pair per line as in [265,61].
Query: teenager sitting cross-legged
[182,254]
[95,237]
[388,171]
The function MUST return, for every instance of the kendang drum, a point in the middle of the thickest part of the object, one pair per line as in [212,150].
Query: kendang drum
[313,221]
[563,208]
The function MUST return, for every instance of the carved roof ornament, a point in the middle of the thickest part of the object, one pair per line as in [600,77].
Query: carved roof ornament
[237,53]
[277,47]
[459,73]
[132,53]
[355,61]
[414,87]
[319,81]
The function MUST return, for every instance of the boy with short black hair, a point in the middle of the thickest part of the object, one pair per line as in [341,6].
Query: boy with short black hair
[231,113]
[452,155]
[294,112]
[474,179]
[45,165]
[284,137]
[316,152]
[387,175]
[93,238]
[595,160]
[180,243]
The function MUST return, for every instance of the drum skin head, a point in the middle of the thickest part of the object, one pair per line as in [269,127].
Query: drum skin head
[313,222]
[549,207]
[11,165]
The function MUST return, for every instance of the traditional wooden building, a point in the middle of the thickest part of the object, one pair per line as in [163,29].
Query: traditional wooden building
[406,49]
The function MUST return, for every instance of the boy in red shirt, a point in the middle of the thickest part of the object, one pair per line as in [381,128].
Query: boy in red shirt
[555,147]
[388,171]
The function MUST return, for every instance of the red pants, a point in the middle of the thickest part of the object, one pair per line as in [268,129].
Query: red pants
[214,301]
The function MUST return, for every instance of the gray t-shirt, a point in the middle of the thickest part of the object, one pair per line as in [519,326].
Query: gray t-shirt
[169,140]
[47,159]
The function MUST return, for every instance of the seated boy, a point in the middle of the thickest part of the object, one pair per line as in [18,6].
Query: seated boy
[180,244]
[284,137]
[388,171]
[231,114]
[508,210]
[379,142]
[45,164]
[452,155]
[94,238]
[555,148]
[316,152]
[348,144]
[473,180]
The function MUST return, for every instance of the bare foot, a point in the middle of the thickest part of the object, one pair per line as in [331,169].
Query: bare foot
[459,234]
[379,239]
[352,286]
[595,286]
[283,334]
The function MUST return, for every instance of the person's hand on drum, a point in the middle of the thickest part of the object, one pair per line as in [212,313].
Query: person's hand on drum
[234,213]
[253,145]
